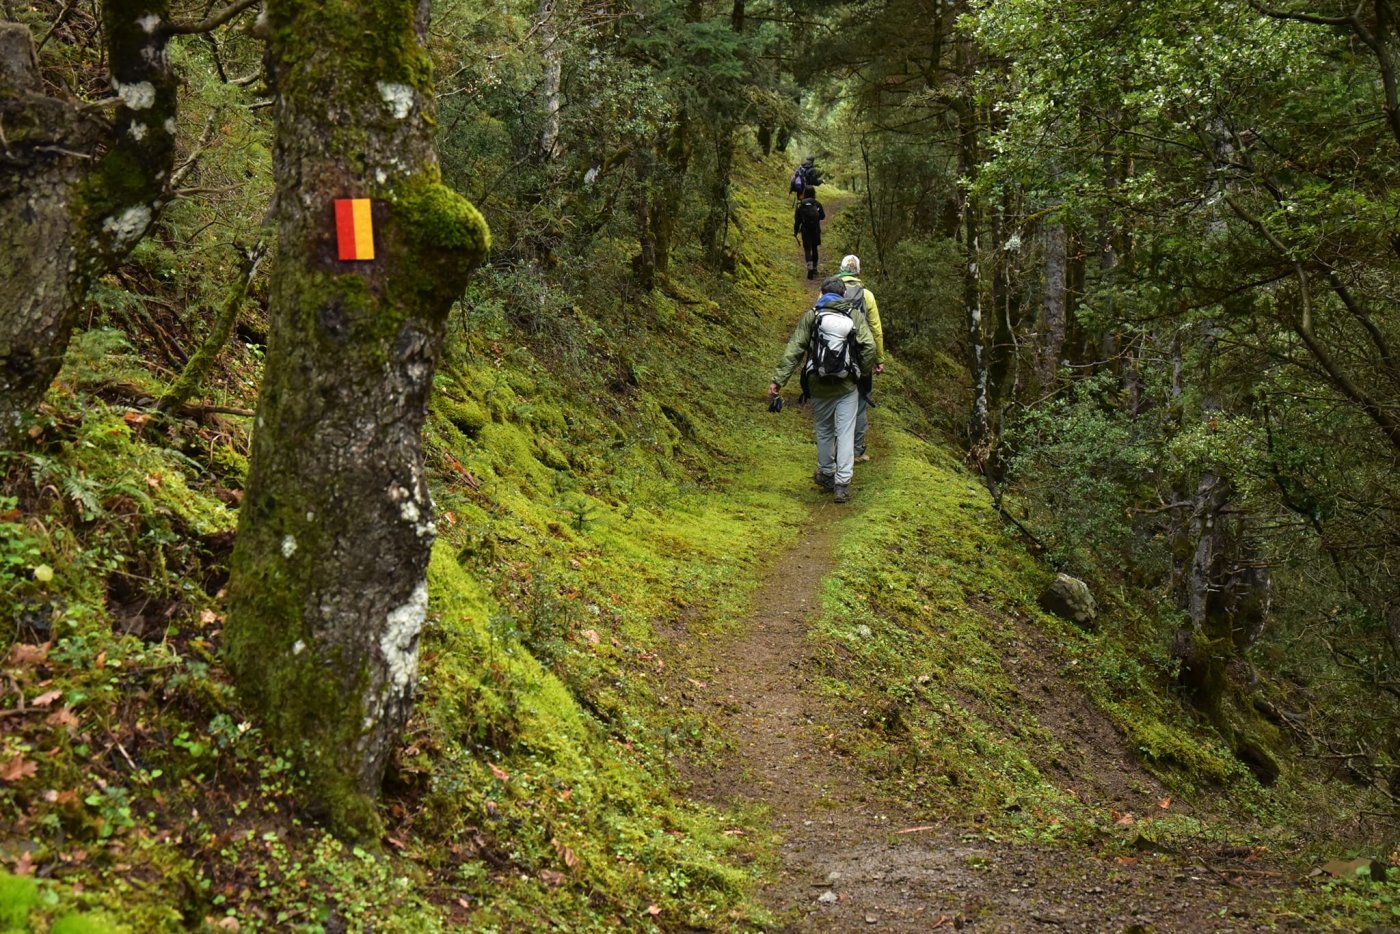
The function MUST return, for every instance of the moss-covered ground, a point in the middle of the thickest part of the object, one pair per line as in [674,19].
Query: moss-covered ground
[610,489]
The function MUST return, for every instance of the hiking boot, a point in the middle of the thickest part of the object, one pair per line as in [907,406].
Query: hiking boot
[862,458]
[824,480]
[811,273]
[843,492]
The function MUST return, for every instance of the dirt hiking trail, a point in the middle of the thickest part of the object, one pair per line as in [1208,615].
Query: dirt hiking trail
[849,856]
[851,859]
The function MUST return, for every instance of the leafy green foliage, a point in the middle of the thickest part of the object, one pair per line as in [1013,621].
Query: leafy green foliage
[1085,467]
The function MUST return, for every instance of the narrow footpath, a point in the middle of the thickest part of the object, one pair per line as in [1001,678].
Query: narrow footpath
[851,858]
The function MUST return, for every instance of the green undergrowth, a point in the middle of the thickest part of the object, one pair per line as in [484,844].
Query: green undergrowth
[603,498]
[959,691]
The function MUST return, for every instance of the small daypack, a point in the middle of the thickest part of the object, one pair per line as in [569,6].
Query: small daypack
[831,352]
[809,215]
[811,175]
[855,294]
[798,181]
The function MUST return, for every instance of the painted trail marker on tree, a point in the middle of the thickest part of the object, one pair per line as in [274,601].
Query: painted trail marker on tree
[354,228]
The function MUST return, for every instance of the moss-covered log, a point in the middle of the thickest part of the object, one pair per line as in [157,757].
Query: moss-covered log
[77,192]
[329,575]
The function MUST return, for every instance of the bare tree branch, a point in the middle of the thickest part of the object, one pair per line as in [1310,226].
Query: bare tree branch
[211,23]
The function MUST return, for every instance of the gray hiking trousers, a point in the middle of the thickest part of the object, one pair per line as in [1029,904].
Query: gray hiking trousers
[862,425]
[835,421]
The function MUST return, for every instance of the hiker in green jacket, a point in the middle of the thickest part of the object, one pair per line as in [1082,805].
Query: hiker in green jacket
[865,300]
[838,345]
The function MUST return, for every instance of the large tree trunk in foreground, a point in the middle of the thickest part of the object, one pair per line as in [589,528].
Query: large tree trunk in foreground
[77,192]
[329,590]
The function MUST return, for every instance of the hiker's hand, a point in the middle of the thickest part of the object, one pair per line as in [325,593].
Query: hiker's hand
[772,390]
[879,368]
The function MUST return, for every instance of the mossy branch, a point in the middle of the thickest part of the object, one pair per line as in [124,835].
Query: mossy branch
[202,362]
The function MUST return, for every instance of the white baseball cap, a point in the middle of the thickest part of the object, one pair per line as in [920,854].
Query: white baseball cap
[850,263]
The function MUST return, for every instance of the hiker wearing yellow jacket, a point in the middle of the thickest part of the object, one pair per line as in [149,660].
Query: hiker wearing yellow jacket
[850,274]
[835,399]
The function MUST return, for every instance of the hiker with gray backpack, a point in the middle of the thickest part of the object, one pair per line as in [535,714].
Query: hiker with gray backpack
[836,341]
[864,299]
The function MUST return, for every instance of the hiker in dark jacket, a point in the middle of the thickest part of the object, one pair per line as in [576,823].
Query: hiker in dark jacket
[834,398]
[807,223]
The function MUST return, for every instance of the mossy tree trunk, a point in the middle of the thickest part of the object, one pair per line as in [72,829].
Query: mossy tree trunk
[78,191]
[1226,590]
[329,591]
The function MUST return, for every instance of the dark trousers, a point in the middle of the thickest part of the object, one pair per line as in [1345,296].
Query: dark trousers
[810,241]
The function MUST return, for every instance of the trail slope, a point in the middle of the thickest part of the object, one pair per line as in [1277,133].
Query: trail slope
[850,854]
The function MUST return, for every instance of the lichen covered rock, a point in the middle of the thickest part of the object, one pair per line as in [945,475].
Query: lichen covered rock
[1069,598]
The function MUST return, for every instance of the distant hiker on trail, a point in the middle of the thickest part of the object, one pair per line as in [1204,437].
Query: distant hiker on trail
[864,300]
[837,342]
[805,176]
[807,223]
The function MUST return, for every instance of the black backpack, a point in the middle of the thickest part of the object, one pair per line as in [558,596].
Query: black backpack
[809,215]
[811,175]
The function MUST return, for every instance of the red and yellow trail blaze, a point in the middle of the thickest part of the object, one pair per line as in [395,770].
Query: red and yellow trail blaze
[354,228]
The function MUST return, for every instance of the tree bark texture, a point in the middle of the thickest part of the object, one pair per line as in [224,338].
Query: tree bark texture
[1053,307]
[978,420]
[329,593]
[552,80]
[77,191]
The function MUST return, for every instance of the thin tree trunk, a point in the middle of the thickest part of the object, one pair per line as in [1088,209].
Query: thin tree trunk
[674,157]
[1053,307]
[201,363]
[644,263]
[329,589]
[551,83]
[978,420]
[716,224]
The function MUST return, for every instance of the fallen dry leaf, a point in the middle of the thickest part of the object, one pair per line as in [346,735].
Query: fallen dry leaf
[592,636]
[1126,860]
[1165,802]
[569,857]
[46,698]
[16,769]
[552,878]
[63,717]
[500,773]
[23,654]
[653,910]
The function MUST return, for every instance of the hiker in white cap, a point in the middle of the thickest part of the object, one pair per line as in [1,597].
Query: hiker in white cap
[858,295]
